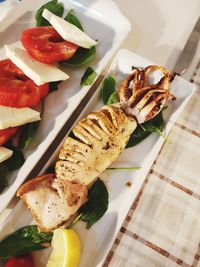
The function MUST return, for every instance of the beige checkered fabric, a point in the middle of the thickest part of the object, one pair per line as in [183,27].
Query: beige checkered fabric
[162,228]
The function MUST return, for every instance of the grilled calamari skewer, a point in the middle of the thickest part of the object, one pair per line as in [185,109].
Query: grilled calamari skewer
[141,100]
[98,140]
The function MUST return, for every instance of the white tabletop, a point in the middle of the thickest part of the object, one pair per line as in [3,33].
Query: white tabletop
[159,28]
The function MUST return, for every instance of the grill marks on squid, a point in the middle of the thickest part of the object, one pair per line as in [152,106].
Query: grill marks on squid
[96,141]
[141,100]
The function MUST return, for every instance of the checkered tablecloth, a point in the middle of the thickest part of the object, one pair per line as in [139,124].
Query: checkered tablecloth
[162,228]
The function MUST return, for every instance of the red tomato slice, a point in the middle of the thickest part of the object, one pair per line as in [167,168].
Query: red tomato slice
[46,45]
[16,89]
[6,134]
[25,260]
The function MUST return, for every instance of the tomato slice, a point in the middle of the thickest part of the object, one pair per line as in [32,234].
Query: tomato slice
[16,89]
[25,260]
[6,134]
[46,45]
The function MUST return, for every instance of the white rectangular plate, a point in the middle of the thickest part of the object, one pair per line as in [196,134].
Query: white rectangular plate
[97,241]
[102,20]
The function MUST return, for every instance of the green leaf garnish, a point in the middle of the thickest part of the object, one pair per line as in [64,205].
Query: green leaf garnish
[71,18]
[144,130]
[24,240]
[108,88]
[3,174]
[27,134]
[88,77]
[82,56]
[114,98]
[16,161]
[53,86]
[96,205]
[53,6]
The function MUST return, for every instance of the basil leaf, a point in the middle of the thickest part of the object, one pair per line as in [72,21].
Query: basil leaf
[16,161]
[88,77]
[53,86]
[97,204]
[53,6]
[82,56]
[27,134]
[3,174]
[145,130]
[24,240]
[114,98]
[71,18]
[108,88]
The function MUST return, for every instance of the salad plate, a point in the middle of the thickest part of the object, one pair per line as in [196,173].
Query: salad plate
[59,105]
[97,241]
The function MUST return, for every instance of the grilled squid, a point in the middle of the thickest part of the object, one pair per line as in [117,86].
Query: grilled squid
[141,100]
[97,141]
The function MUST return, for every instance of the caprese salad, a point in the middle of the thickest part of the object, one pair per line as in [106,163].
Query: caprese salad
[29,73]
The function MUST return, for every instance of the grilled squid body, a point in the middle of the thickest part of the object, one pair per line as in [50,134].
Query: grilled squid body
[99,139]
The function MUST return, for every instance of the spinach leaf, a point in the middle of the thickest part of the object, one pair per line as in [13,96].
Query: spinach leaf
[24,240]
[88,77]
[71,18]
[108,88]
[82,56]
[16,161]
[53,6]
[114,98]
[27,134]
[53,86]
[3,174]
[97,204]
[143,131]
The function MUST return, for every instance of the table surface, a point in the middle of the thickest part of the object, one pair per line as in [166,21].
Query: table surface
[162,226]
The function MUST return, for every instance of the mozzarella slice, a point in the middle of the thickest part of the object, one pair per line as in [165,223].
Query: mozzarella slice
[68,31]
[39,72]
[5,153]
[11,117]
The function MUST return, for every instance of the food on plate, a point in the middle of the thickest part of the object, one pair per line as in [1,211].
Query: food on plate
[39,72]
[12,117]
[27,76]
[53,44]
[52,201]
[6,134]
[46,45]
[97,140]
[5,153]
[16,89]
[25,260]
[24,240]
[66,249]
[68,31]
[140,99]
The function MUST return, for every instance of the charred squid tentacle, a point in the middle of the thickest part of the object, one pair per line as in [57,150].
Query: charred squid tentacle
[148,100]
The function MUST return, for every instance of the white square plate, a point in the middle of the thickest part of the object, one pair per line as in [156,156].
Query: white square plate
[102,20]
[97,241]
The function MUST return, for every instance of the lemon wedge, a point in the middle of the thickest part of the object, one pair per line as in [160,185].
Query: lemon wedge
[66,249]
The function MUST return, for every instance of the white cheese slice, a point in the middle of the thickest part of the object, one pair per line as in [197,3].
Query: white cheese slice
[68,31]
[39,72]
[5,153]
[11,117]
